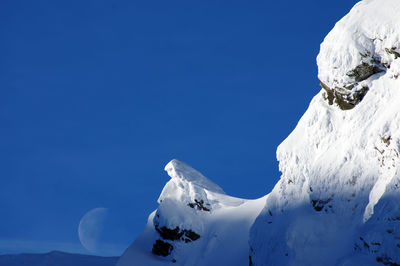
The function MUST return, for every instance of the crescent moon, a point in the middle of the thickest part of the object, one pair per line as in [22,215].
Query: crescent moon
[91,227]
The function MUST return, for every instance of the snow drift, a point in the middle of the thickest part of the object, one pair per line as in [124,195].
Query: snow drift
[338,199]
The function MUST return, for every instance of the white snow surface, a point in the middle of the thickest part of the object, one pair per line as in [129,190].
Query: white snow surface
[178,170]
[338,199]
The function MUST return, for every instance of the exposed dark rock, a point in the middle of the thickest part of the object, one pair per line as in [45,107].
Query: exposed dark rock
[177,234]
[348,96]
[344,97]
[393,52]
[199,204]
[250,261]
[364,243]
[330,94]
[363,71]
[191,236]
[386,140]
[386,260]
[162,248]
[389,231]
[318,205]
[169,234]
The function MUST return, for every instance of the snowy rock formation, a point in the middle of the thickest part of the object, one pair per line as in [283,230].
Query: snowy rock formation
[338,199]
[196,223]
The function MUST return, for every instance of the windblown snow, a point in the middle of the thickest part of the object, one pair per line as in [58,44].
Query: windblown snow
[338,199]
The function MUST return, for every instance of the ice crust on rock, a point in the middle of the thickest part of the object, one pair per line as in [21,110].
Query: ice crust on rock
[338,199]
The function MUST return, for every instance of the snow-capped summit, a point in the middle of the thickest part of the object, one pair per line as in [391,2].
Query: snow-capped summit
[195,224]
[182,175]
[338,199]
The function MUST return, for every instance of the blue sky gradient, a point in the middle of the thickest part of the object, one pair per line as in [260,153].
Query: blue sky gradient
[97,96]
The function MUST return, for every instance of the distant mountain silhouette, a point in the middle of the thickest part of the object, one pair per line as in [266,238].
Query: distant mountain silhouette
[56,258]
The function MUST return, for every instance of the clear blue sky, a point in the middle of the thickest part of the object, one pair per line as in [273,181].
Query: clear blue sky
[97,96]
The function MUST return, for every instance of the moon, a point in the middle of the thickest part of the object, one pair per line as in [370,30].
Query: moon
[91,228]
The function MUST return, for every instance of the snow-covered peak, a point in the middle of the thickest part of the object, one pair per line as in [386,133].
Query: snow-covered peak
[341,165]
[180,170]
[194,224]
[187,186]
[338,199]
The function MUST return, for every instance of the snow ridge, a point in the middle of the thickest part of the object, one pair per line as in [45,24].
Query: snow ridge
[180,170]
